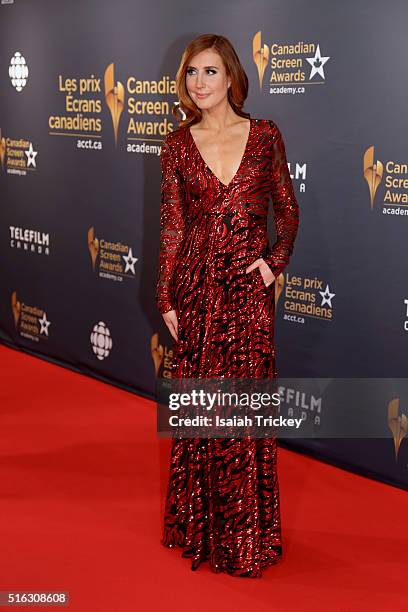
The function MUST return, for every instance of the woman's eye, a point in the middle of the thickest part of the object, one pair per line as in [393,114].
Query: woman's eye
[191,70]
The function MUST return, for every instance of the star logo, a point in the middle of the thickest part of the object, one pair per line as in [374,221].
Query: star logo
[31,155]
[317,62]
[44,324]
[326,296]
[130,262]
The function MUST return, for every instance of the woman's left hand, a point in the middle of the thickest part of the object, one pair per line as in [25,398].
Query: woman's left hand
[267,274]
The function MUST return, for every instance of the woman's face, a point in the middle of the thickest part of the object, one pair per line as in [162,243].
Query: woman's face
[206,79]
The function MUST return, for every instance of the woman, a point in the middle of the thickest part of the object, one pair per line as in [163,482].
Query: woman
[216,292]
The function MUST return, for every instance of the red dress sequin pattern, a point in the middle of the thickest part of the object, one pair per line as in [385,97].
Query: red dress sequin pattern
[222,499]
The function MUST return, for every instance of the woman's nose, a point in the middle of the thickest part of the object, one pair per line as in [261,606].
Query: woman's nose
[199,81]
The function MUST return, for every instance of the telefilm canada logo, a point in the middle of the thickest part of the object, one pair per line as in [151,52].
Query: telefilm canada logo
[289,67]
[99,108]
[17,155]
[111,260]
[300,404]
[29,240]
[31,322]
[393,176]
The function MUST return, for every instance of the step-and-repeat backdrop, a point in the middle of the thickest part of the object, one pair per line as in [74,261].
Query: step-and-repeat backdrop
[86,95]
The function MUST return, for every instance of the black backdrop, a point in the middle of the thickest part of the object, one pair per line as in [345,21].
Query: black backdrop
[76,200]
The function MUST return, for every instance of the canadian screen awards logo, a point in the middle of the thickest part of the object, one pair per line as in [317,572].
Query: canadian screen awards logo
[398,424]
[17,155]
[162,356]
[112,260]
[307,297]
[293,65]
[30,321]
[393,175]
[102,105]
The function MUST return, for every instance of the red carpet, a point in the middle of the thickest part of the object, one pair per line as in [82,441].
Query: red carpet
[83,476]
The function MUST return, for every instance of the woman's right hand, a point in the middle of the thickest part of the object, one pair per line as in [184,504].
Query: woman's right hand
[170,318]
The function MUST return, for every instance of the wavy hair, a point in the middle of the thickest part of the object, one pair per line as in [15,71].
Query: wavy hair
[237,92]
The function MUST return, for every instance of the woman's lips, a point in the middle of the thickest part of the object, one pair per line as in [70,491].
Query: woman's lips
[201,96]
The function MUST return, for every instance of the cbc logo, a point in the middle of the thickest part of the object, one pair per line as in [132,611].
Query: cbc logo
[18,71]
[101,340]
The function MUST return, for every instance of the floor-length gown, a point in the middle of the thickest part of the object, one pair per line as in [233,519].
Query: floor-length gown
[222,499]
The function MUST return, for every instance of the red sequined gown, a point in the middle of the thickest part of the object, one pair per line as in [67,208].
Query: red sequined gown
[222,499]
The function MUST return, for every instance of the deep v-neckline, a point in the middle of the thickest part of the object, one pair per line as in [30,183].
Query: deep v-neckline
[225,185]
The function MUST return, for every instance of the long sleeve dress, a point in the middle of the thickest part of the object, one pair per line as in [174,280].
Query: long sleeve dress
[222,499]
